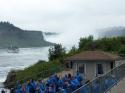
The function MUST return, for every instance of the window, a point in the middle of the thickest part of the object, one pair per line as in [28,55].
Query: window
[99,69]
[111,65]
[82,69]
[71,64]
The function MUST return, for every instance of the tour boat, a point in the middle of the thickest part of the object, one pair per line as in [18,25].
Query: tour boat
[13,49]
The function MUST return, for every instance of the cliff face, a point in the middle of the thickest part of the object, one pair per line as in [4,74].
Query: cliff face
[9,34]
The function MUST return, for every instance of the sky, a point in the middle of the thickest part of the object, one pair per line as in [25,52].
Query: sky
[72,18]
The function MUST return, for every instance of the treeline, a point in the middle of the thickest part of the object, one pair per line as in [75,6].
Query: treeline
[7,26]
[113,44]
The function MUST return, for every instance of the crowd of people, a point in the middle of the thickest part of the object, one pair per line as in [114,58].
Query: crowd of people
[65,84]
[54,84]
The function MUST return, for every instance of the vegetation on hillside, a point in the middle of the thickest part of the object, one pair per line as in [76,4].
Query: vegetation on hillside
[114,44]
[41,69]
[57,52]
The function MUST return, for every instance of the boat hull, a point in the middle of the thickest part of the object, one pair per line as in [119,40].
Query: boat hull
[13,51]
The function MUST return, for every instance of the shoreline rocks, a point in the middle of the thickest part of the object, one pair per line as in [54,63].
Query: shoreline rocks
[10,80]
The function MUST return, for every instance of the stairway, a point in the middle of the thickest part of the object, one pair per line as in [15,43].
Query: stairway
[107,83]
[119,88]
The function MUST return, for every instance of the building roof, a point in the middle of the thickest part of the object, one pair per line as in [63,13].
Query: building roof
[93,56]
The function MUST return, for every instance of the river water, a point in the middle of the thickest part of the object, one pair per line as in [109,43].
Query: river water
[25,58]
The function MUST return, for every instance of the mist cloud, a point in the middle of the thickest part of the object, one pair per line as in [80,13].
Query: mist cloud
[72,18]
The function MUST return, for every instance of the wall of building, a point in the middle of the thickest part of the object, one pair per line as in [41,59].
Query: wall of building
[90,68]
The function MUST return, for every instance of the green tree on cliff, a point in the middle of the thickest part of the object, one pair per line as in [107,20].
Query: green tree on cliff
[56,52]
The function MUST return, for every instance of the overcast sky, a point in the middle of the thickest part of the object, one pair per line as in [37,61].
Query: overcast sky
[73,18]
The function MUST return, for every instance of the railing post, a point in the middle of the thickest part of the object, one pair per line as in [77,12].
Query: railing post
[116,74]
[101,84]
[90,87]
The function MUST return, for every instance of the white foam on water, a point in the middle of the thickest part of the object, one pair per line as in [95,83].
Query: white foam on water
[25,58]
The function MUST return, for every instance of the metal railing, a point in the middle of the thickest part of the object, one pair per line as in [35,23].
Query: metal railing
[103,83]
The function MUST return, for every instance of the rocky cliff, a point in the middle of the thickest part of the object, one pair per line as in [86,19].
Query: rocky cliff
[12,35]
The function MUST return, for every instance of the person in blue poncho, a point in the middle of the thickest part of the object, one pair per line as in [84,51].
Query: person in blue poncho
[106,83]
[18,89]
[47,88]
[23,89]
[78,76]
[64,78]
[42,85]
[62,90]
[73,84]
[52,89]
[60,83]
[38,89]
[96,87]
[33,83]
[30,88]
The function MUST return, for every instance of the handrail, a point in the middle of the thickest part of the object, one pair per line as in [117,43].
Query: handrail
[115,75]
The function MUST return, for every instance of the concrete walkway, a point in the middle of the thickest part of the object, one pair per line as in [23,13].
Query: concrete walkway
[119,88]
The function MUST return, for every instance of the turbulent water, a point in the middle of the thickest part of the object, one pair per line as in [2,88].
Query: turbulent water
[25,58]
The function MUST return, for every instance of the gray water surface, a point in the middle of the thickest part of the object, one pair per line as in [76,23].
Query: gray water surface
[25,58]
